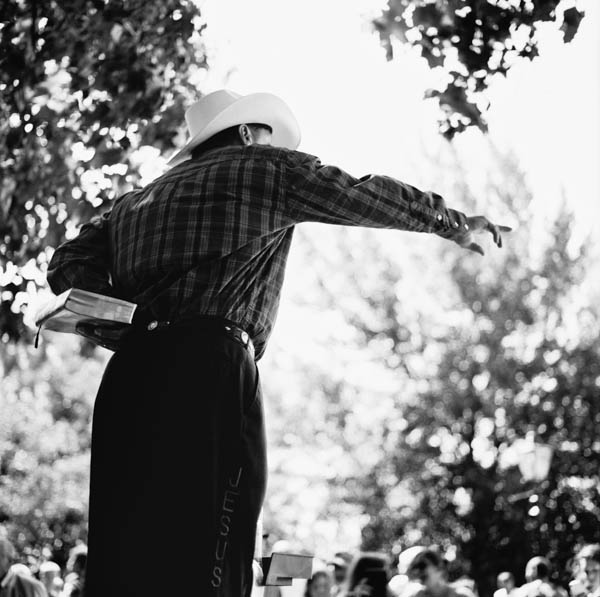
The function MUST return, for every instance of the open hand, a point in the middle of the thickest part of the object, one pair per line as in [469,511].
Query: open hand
[475,225]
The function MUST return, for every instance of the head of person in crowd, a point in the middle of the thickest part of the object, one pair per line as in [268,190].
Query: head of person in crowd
[586,568]
[76,567]
[400,583]
[428,568]
[21,569]
[50,575]
[505,581]
[339,565]
[77,560]
[318,585]
[14,582]
[538,568]
[368,574]
[7,556]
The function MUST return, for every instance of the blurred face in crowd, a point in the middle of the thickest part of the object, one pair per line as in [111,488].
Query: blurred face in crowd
[320,585]
[339,574]
[589,574]
[427,573]
[506,581]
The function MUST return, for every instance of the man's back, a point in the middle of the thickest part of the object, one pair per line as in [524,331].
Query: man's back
[210,236]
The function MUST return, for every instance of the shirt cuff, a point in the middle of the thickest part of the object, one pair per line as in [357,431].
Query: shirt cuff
[443,221]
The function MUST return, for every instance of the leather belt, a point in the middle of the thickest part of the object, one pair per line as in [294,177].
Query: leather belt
[233,331]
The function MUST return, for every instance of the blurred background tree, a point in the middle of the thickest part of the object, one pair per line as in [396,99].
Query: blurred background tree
[442,369]
[83,85]
[471,41]
[46,408]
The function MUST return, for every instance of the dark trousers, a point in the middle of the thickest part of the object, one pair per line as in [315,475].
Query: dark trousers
[178,470]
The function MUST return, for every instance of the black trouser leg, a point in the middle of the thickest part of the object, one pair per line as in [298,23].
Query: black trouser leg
[178,469]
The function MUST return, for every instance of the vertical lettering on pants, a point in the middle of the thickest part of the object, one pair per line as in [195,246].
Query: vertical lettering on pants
[228,506]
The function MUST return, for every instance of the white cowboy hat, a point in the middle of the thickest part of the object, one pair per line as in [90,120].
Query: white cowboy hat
[222,109]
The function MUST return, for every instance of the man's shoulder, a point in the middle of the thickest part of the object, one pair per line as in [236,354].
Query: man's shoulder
[256,153]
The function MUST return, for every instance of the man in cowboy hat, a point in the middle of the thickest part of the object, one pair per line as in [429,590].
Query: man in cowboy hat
[178,443]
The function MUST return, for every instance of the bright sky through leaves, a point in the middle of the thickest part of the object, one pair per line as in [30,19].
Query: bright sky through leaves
[367,115]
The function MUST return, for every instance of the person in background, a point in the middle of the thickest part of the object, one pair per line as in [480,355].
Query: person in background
[458,575]
[319,585]
[50,576]
[368,576]
[22,569]
[76,565]
[537,575]
[505,582]
[339,567]
[586,572]
[427,573]
[400,583]
[12,583]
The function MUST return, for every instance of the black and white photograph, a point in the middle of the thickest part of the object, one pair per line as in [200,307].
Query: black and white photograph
[300,299]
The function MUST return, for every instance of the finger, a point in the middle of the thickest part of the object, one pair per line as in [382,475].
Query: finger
[493,229]
[497,236]
[475,248]
[505,228]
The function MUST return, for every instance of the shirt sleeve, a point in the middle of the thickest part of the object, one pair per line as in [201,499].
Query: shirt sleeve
[327,194]
[84,261]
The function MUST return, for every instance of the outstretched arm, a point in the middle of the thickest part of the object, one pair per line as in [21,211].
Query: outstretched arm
[321,193]
[84,261]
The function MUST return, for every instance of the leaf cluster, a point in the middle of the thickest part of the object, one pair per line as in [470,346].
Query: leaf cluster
[472,41]
[83,84]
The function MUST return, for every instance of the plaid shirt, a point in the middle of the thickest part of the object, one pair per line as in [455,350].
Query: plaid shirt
[211,236]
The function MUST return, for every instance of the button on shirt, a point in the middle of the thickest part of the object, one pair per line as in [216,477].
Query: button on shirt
[211,236]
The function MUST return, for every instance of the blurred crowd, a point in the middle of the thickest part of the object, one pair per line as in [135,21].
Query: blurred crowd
[48,579]
[419,571]
[423,572]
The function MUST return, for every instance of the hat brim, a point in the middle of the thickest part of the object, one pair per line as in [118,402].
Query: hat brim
[262,108]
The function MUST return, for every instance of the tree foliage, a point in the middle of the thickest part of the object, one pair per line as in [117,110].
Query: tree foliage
[46,404]
[83,85]
[472,41]
[522,363]
[518,357]
[444,363]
